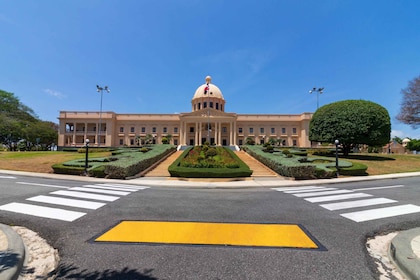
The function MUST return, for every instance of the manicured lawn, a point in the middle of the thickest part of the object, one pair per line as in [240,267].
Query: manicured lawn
[39,161]
[42,161]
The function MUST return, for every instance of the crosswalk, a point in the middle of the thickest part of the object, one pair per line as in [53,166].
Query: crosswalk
[86,197]
[334,199]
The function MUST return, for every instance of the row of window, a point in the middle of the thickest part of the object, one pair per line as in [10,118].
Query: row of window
[211,106]
[272,130]
[143,129]
[224,129]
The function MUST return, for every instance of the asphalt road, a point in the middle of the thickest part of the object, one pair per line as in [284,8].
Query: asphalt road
[342,238]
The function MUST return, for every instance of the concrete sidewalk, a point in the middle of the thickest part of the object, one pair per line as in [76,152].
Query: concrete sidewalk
[404,249]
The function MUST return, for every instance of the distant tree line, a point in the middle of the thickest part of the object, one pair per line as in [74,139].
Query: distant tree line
[20,127]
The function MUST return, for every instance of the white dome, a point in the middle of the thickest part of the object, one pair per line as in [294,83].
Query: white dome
[213,91]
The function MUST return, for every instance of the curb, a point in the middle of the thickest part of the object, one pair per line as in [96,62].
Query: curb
[401,253]
[12,261]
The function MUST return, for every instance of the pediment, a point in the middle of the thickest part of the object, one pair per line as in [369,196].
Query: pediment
[213,113]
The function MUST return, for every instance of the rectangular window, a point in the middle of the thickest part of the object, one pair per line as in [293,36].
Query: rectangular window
[294,130]
[175,129]
[121,142]
[217,106]
[132,129]
[261,129]
[294,142]
[143,130]
[224,129]
[251,130]
[121,129]
[240,142]
[131,141]
[273,130]
[205,105]
[283,130]
[176,142]
[240,130]
[165,130]
[154,129]
[191,128]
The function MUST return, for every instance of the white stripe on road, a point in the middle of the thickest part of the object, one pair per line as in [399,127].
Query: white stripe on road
[110,188]
[7,177]
[297,188]
[316,190]
[135,187]
[379,188]
[86,195]
[322,193]
[367,215]
[99,191]
[67,202]
[337,197]
[41,211]
[356,203]
[42,185]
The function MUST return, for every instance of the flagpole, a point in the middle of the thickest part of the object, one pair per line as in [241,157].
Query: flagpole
[208,111]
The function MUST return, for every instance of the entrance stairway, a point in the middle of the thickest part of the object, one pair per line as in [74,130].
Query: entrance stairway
[259,169]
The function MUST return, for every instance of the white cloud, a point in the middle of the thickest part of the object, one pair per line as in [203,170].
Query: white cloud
[54,93]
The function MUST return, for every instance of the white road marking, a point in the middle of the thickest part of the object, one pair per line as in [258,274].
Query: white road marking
[379,213]
[321,193]
[379,188]
[7,177]
[297,188]
[41,211]
[316,190]
[110,188]
[136,187]
[337,197]
[356,203]
[43,185]
[67,202]
[99,191]
[86,195]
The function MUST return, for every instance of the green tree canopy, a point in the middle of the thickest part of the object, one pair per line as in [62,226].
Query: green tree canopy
[19,124]
[352,122]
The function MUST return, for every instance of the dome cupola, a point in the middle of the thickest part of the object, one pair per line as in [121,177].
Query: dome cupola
[210,95]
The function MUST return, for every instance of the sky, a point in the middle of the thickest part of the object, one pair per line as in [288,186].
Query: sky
[264,55]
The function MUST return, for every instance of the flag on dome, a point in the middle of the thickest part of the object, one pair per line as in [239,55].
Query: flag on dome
[206,89]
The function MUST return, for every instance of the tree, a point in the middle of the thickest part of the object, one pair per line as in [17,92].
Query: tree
[410,106]
[352,122]
[20,125]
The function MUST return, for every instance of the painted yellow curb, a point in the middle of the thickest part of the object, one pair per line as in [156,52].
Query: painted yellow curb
[200,233]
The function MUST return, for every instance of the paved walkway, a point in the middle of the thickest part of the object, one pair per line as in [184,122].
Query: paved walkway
[259,169]
[161,170]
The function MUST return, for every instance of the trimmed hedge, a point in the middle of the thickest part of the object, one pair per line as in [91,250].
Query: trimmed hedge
[187,172]
[289,164]
[122,164]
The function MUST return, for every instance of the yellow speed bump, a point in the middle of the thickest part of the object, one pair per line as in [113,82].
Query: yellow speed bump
[201,233]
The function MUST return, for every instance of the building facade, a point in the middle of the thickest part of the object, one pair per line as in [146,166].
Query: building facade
[207,122]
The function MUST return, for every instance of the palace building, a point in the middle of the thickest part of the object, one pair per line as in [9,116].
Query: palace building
[207,122]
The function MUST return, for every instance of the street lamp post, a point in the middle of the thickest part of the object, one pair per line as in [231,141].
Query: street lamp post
[336,142]
[101,89]
[86,156]
[318,92]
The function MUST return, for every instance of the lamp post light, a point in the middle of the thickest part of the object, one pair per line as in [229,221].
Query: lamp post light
[86,156]
[336,142]
[101,89]
[318,92]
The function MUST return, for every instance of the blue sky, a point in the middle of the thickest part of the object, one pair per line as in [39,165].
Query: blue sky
[264,55]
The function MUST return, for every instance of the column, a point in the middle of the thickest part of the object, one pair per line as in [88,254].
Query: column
[196,133]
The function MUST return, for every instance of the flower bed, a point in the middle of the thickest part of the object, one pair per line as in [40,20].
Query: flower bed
[209,162]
